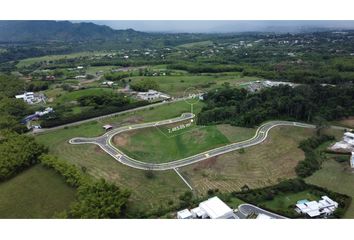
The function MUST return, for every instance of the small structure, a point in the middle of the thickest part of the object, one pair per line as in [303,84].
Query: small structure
[352,160]
[46,111]
[152,95]
[80,77]
[184,214]
[108,83]
[107,127]
[323,207]
[27,97]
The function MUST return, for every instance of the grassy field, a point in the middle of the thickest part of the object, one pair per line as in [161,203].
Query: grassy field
[337,177]
[74,95]
[35,193]
[161,144]
[262,165]
[146,193]
[196,44]
[281,202]
[29,61]
[176,85]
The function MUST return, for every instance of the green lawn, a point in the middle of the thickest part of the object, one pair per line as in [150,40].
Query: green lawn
[35,193]
[176,85]
[74,95]
[147,193]
[157,145]
[287,201]
[337,177]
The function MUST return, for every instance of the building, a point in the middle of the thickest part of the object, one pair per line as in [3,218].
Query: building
[27,97]
[107,127]
[352,160]
[46,111]
[184,214]
[152,95]
[349,138]
[323,207]
[213,208]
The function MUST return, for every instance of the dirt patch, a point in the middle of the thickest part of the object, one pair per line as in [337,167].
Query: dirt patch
[208,163]
[121,140]
[98,149]
[198,136]
[348,122]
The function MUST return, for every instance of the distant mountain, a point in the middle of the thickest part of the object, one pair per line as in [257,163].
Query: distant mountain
[40,31]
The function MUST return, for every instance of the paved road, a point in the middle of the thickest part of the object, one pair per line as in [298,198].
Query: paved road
[105,142]
[37,131]
[247,209]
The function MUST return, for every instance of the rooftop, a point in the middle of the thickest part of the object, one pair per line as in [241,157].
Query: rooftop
[215,208]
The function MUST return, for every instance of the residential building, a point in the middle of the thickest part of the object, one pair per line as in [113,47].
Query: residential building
[27,97]
[152,95]
[323,207]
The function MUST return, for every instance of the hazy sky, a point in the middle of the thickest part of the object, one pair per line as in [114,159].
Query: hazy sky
[223,26]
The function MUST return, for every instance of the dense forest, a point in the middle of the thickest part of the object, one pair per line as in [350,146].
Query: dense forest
[307,103]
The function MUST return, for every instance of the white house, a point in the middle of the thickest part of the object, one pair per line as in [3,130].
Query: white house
[27,97]
[46,111]
[323,207]
[184,214]
[152,95]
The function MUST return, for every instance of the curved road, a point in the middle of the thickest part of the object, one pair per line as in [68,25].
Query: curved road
[247,209]
[105,142]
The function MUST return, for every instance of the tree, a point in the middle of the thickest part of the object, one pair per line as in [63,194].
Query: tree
[99,200]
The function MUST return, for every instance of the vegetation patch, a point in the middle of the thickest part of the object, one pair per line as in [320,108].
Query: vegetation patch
[37,192]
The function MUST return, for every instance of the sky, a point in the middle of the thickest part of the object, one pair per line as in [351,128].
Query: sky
[208,26]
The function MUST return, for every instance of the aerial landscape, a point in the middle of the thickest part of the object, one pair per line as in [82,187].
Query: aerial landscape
[100,120]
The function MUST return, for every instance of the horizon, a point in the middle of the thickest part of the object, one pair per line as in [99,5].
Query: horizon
[224,26]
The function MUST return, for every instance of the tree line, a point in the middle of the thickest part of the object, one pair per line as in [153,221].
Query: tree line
[302,103]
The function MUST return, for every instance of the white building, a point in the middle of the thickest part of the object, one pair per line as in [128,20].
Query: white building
[349,138]
[212,208]
[352,160]
[184,214]
[27,97]
[46,111]
[323,207]
[152,95]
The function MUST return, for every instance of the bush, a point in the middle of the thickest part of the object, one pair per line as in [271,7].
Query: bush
[70,173]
